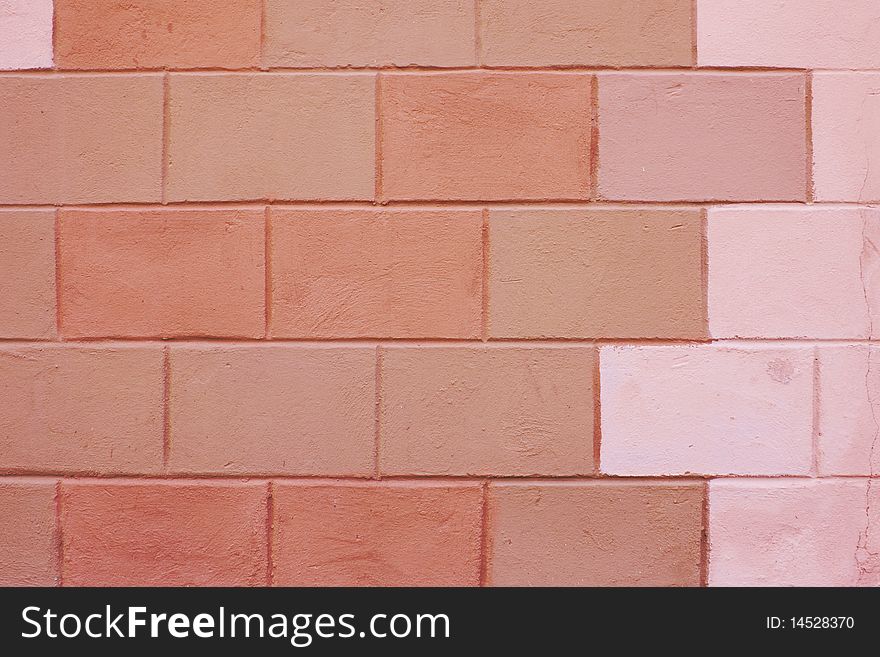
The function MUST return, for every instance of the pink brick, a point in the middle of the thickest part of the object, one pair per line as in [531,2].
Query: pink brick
[794,533]
[846,136]
[675,410]
[164,533]
[702,136]
[272,410]
[25,34]
[364,273]
[27,274]
[389,534]
[28,552]
[81,409]
[789,33]
[784,272]
[487,411]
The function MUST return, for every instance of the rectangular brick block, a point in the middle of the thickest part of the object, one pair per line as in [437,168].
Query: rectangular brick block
[789,33]
[389,33]
[678,410]
[109,34]
[25,34]
[595,273]
[487,411]
[81,409]
[293,410]
[27,274]
[154,533]
[794,533]
[162,273]
[786,272]
[586,33]
[27,533]
[485,136]
[594,534]
[81,139]
[271,136]
[702,136]
[389,534]
[364,273]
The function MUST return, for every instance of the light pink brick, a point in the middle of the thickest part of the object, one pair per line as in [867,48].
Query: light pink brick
[28,554]
[25,34]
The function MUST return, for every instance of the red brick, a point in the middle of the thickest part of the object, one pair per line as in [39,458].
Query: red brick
[27,533]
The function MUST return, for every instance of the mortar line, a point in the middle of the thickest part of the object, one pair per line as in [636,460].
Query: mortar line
[704,538]
[270,525]
[377,415]
[57,240]
[267,270]
[166,135]
[695,61]
[704,268]
[262,58]
[484,535]
[808,113]
[484,283]
[597,414]
[814,434]
[478,36]
[377,191]
[59,533]
[594,138]
[166,407]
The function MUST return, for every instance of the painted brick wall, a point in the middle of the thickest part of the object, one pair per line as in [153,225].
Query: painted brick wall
[453,292]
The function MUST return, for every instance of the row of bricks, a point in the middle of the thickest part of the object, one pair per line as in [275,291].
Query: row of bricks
[773,272]
[484,136]
[108,34]
[312,533]
[496,410]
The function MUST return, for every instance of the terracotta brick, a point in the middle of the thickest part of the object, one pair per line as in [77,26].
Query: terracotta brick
[389,33]
[678,410]
[486,136]
[162,273]
[81,409]
[80,139]
[164,533]
[586,33]
[594,534]
[112,34]
[487,410]
[702,136]
[27,533]
[794,533]
[272,410]
[254,136]
[785,272]
[364,273]
[27,274]
[25,34]
[389,534]
[595,273]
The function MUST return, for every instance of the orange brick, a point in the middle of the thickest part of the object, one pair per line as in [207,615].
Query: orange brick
[294,410]
[162,273]
[80,139]
[486,136]
[271,136]
[487,411]
[398,534]
[27,274]
[363,273]
[164,533]
[27,533]
[595,534]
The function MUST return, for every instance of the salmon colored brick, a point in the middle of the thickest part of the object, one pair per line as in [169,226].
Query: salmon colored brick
[485,136]
[794,533]
[80,139]
[67,409]
[789,33]
[162,273]
[155,533]
[27,274]
[27,533]
[787,272]
[341,33]
[112,34]
[680,410]
[594,534]
[25,34]
[271,136]
[293,410]
[702,136]
[595,273]
[846,136]
[364,273]
[586,32]
[486,411]
[372,534]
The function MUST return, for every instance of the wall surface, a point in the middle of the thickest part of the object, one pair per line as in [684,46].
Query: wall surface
[452,292]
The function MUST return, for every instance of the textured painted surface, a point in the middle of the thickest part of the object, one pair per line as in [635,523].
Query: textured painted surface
[27,533]
[25,34]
